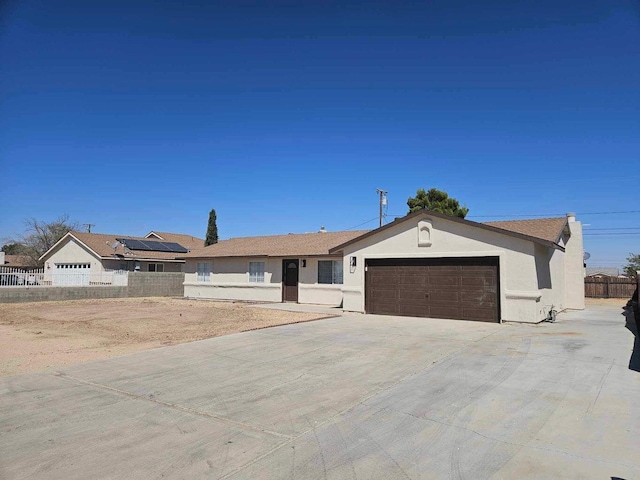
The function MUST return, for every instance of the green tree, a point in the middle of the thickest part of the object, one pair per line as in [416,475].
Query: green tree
[40,236]
[436,201]
[13,248]
[633,265]
[212,230]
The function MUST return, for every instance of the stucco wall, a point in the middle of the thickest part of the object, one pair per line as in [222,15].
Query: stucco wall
[574,267]
[520,296]
[312,292]
[229,280]
[550,269]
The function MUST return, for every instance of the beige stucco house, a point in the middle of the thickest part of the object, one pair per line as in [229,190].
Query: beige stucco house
[93,253]
[424,264]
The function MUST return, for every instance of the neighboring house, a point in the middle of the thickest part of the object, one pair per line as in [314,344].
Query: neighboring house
[602,272]
[92,253]
[16,261]
[424,264]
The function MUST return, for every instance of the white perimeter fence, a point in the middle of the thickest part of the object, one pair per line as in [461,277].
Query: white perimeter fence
[35,277]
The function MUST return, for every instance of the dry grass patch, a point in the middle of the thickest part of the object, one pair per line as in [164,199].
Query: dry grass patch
[35,336]
[612,302]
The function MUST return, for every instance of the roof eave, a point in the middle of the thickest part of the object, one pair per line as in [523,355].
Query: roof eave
[265,255]
[143,259]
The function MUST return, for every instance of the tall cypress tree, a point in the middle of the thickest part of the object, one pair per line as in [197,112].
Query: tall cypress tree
[212,230]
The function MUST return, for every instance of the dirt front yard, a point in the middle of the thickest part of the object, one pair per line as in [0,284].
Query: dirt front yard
[36,336]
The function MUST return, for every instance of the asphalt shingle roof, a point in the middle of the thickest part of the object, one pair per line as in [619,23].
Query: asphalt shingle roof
[293,244]
[548,229]
[101,244]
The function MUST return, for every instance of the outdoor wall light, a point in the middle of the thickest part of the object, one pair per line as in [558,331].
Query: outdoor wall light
[304,263]
[352,261]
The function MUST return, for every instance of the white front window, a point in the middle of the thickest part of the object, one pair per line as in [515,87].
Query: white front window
[256,272]
[330,271]
[204,270]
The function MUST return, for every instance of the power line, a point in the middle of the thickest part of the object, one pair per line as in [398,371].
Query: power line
[361,224]
[615,234]
[553,214]
[609,213]
[613,228]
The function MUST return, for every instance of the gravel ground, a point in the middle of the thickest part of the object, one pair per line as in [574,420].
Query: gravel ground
[36,336]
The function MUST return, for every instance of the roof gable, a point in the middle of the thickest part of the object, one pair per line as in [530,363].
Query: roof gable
[502,230]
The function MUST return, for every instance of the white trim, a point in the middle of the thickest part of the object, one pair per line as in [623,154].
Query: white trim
[257,279]
[141,259]
[153,233]
[521,295]
[232,285]
[321,286]
[351,289]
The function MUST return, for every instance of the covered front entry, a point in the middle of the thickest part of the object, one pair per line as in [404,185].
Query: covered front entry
[456,288]
[290,280]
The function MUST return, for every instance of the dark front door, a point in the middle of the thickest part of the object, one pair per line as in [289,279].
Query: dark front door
[290,280]
[458,288]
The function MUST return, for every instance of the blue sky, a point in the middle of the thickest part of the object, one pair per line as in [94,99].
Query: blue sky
[287,115]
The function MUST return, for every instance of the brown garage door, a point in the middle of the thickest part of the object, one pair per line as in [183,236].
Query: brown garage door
[458,288]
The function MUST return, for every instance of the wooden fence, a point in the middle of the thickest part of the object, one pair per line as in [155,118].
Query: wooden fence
[609,287]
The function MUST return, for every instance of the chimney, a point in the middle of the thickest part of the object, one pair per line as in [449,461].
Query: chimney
[571,217]
[322,230]
[1,258]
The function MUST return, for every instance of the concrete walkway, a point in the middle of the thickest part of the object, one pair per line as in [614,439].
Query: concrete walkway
[356,396]
[297,307]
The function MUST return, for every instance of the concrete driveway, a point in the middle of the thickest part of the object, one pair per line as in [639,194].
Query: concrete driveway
[343,398]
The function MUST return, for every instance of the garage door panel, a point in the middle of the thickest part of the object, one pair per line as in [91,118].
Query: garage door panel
[477,281]
[386,309]
[383,280]
[479,299]
[412,270]
[441,288]
[440,296]
[409,310]
[387,295]
[444,270]
[445,311]
[410,280]
[413,296]
[444,280]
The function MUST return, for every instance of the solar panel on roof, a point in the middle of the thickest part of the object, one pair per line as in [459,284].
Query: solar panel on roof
[152,246]
[133,244]
[176,247]
[161,247]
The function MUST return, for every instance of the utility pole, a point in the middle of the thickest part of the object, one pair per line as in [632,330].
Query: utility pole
[89,225]
[383,202]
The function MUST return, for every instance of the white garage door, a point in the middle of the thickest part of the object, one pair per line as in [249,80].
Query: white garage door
[71,274]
